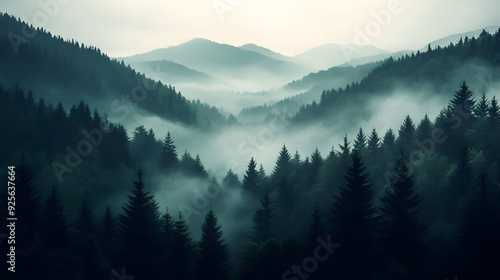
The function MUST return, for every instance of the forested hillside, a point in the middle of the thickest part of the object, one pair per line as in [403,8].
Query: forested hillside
[68,71]
[421,202]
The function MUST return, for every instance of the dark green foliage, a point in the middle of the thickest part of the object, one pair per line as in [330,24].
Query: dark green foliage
[354,224]
[139,231]
[107,231]
[169,159]
[482,107]
[54,230]
[262,227]
[212,251]
[403,232]
[360,141]
[463,102]
[406,135]
[282,167]
[182,263]
[478,234]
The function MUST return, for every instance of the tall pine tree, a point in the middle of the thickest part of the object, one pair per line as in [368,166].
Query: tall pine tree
[212,251]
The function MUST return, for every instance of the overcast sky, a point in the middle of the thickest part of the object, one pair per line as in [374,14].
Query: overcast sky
[126,27]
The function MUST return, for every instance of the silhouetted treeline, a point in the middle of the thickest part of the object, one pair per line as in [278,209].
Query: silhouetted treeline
[421,202]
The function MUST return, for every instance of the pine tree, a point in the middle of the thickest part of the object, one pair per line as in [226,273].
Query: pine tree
[360,141]
[213,252]
[282,167]
[373,143]
[403,232]
[183,255]
[251,184]
[262,229]
[139,231]
[313,172]
[424,129]
[463,101]
[482,107]
[406,135]
[169,153]
[354,224]
[478,235]
[345,153]
[494,112]
[199,169]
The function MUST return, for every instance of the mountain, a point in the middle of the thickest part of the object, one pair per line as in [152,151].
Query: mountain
[443,42]
[170,72]
[66,71]
[264,51]
[214,58]
[329,55]
[421,76]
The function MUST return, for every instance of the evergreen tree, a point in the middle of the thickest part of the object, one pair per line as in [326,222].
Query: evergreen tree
[424,129]
[231,180]
[463,101]
[282,167]
[478,235]
[169,153]
[213,252]
[183,255]
[373,143]
[494,112]
[314,167]
[403,232]
[406,135]
[360,141]
[262,229]
[139,231]
[345,154]
[354,225]
[251,184]
[482,107]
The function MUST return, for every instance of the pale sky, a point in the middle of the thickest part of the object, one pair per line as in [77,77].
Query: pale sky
[126,27]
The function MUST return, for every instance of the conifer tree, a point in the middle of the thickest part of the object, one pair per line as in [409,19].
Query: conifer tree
[424,129]
[316,229]
[139,231]
[262,229]
[373,143]
[251,180]
[463,101]
[360,141]
[354,224]
[403,232]
[406,135]
[182,263]
[169,153]
[494,112]
[482,107]
[345,153]
[314,168]
[282,167]
[212,251]
[459,184]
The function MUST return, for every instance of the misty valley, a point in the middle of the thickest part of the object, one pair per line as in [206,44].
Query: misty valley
[210,161]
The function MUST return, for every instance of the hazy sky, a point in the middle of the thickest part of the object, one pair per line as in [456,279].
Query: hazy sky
[126,27]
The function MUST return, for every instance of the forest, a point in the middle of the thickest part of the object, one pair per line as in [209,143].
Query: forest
[421,202]
[98,200]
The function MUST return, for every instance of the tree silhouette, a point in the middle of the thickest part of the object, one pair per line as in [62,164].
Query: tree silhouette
[169,158]
[213,255]
[139,231]
[403,232]
[262,229]
[354,224]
